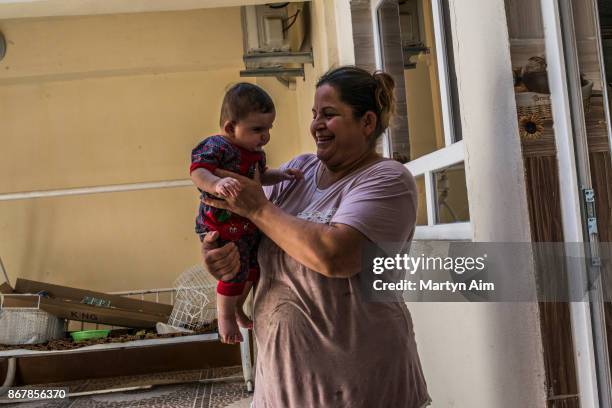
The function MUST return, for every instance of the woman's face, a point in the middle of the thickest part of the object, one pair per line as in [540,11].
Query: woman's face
[341,139]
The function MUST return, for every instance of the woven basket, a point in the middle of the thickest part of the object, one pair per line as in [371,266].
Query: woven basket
[28,325]
[530,103]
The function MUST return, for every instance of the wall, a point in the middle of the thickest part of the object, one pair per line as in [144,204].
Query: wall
[423,139]
[114,99]
[47,8]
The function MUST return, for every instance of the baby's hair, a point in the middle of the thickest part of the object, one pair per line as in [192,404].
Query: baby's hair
[364,92]
[242,99]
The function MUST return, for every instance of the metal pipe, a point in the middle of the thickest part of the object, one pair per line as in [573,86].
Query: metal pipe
[10,375]
[6,278]
[94,190]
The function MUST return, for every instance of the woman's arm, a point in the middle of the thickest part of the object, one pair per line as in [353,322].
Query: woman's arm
[332,250]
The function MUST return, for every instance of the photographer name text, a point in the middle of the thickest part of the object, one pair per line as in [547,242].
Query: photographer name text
[433,286]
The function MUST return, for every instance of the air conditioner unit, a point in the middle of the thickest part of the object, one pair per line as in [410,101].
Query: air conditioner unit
[277,27]
[275,39]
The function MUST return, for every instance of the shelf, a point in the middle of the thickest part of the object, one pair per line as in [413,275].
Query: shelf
[273,72]
[277,58]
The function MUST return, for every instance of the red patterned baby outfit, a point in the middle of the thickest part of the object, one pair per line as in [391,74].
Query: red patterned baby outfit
[217,152]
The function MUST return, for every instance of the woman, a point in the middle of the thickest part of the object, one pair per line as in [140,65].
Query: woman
[320,342]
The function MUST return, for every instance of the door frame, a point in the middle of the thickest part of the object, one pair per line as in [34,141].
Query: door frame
[587,320]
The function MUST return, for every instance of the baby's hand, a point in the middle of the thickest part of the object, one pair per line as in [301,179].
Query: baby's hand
[293,174]
[227,187]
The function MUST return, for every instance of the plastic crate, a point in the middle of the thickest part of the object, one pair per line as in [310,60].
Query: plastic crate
[28,325]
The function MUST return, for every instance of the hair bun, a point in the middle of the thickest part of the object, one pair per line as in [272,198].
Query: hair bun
[385,99]
[384,79]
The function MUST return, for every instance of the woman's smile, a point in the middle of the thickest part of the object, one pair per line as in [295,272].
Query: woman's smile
[323,140]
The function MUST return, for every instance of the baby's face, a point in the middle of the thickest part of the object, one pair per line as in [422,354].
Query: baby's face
[253,132]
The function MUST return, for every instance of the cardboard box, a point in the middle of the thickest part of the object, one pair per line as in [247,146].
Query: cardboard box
[6,288]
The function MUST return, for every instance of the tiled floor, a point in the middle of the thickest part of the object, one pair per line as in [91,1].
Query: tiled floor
[181,392]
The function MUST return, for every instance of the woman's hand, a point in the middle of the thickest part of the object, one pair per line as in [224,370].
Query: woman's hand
[249,199]
[222,263]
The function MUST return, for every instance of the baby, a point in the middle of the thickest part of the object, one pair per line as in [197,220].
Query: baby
[247,114]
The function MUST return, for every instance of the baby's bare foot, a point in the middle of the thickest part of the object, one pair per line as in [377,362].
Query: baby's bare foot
[228,330]
[243,320]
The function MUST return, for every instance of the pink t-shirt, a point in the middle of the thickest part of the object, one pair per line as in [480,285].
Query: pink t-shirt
[319,342]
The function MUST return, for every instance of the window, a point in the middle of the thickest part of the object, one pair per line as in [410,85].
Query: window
[414,46]
[451,195]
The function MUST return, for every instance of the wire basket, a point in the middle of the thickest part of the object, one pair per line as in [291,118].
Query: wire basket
[194,305]
[28,325]
[533,103]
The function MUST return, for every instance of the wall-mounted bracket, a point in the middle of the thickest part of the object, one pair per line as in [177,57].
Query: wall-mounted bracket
[411,53]
[285,66]
[273,72]
[277,58]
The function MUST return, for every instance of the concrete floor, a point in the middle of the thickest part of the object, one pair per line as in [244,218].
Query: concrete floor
[176,389]
[245,403]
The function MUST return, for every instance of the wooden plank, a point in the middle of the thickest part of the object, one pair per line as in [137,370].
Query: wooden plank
[73,310]
[77,295]
[126,362]
[524,19]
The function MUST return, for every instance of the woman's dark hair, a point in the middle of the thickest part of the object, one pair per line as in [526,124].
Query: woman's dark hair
[242,99]
[364,92]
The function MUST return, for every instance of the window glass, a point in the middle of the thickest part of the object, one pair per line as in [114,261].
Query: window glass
[425,129]
[422,209]
[408,50]
[451,195]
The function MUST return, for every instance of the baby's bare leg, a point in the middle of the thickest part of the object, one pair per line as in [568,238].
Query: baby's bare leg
[226,318]
[241,317]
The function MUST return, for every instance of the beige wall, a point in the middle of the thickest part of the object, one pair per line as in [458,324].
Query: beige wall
[115,99]
[421,121]
[109,242]
[286,135]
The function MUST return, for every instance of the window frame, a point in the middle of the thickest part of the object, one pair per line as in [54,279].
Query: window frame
[452,152]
